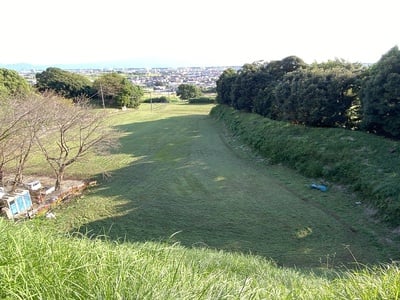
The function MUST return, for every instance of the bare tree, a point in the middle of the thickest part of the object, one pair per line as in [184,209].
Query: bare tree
[70,132]
[25,140]
[15,123]
[11,115]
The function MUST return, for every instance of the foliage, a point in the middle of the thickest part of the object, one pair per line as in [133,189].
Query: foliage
[129,95]
[118,90]
[186,91]
[161,99]
[274,72]
[365,163]
[381,96]
[12,84]
[250,88]
[64,83]
[325,94]
[202,100]
[225,85]
[320,95]
[245,87]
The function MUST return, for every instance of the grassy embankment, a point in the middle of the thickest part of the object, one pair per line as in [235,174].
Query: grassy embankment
[176,174]
[365,163]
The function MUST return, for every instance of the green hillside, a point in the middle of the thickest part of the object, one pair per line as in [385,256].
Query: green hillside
[365,163]
[188,211]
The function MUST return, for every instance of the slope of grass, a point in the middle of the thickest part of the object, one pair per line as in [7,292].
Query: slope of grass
[368,164]
[221,214]
[178,173]
[37,263]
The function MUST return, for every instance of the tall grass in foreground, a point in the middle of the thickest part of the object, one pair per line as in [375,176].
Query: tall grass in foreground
[39,264]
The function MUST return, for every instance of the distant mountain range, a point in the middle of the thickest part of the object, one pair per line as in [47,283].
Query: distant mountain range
[29,67]
[143,63]
[19,67]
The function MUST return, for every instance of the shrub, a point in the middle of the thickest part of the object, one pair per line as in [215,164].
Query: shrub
[380,96]
[162,99]
[202,100]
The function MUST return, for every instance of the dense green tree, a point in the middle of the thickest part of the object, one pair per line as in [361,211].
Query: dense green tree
[129,94]
[186,91]
[246,86]
[252,87]
[12,84]
[224,86]
[116,89]
[316,96]
[272,74]
[288,64]
[324,94]
[380,96]
[64,83]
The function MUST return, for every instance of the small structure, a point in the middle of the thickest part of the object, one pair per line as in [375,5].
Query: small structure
[16,203]
[34,185]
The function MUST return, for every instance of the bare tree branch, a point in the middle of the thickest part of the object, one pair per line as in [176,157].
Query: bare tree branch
[78,130]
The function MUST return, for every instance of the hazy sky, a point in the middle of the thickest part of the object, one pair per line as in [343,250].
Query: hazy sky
[196,32]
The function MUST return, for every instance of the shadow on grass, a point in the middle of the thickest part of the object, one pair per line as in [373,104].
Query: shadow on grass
[148,200]
[187,187]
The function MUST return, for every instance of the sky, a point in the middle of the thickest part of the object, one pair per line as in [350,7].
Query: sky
[196,32]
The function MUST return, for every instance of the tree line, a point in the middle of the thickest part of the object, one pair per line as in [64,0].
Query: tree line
[330,94]
[110,89]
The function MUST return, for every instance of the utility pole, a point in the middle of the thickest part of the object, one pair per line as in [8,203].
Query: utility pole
[102,96]
[151,102]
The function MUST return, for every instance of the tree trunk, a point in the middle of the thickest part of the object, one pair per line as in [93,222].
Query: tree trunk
[59,178]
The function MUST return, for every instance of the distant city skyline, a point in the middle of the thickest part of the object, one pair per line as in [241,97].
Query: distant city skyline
[177,33]
[129,64]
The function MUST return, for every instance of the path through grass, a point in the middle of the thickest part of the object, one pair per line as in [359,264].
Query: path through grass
[179,174]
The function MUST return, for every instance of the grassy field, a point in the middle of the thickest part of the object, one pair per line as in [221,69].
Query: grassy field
[185,211]
[179,176]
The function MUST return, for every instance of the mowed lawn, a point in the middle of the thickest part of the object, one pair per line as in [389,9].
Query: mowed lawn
[180,177]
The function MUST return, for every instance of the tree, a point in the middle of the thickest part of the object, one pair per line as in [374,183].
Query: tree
[25,139]
[129,95]
[380,96]
[268,77]
[9,124]
[19,124]
[76,129]
[186,91]
[224,86]
[118,90]
[64,83]
[255,83]
[316,96]
[12,84]
[246,86]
